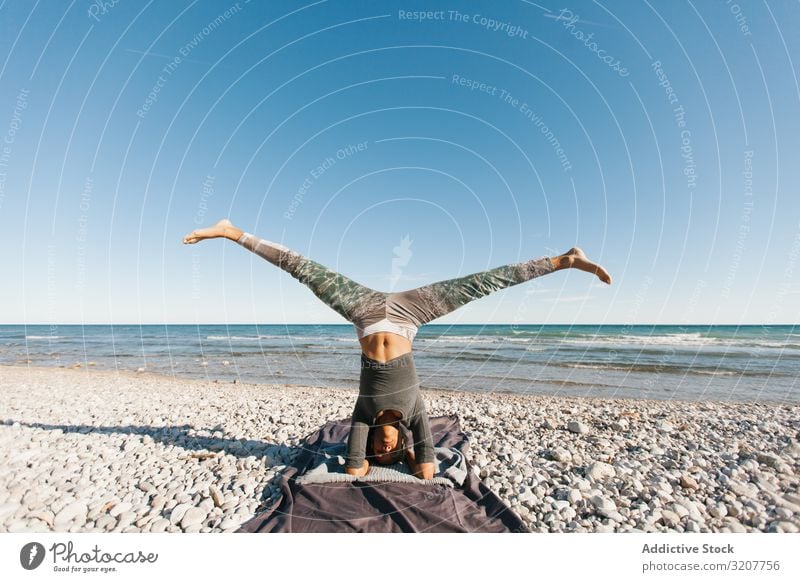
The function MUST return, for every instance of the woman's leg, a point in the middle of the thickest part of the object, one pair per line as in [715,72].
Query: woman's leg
[427,303]
[344,295]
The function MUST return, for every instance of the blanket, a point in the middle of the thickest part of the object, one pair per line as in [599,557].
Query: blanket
[359,505]
[449,469]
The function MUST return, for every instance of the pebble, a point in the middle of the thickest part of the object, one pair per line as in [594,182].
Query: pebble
[602,503]
[178,512]
[709,475]
[159,525]
[669,518]
[125,519]
[192,516]
[665,427]
[76,510]
[687,482]
[598,471]
[783,527]
[217,497]
[577,427]
[120,508]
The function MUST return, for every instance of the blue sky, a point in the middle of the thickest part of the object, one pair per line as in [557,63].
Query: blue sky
[659,136]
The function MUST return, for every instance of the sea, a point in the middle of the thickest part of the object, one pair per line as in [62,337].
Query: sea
[664,362]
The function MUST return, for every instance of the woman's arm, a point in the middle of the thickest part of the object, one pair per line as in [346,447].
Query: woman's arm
[357,464]
[423,442]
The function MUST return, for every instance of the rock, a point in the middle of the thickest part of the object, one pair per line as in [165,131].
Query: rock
[669,518]
[577,427]
[568,514]
[783,527]
[232,522]
[613,515]
[561,455]
[691,508]
[216,495]
[792,450]
[8,509]
[159,525]
[718,510]
[692,526]
[742,489]
[687,482]
[598,471]
[664,427]
[679,510]
[193,516]
[75,510]
[157,502]
[105,522]
[620,425]
[734,525]
[574,496]
[560,504]
[602,503]
[120,508]
[178,512]
[125,519]
[784,513]
[768,459]
[45,515]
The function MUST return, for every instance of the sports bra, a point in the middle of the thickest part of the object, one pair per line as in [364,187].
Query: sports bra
[408,331]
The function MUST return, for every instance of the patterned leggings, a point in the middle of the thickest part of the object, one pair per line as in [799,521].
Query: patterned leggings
[363,306]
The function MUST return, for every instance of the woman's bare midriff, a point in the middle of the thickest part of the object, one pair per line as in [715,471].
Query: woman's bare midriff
[384,346]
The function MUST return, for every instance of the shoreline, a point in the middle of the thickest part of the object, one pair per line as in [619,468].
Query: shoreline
[133,375]
[119,450]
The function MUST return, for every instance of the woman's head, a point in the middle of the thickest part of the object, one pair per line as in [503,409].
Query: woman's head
[387,442]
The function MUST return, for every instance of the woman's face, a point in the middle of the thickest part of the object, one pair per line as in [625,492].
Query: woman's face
[384,444]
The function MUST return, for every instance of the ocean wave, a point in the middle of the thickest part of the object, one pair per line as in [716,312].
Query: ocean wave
[461,339]
[43,337]
[288,338]
[668,369]
[679,340]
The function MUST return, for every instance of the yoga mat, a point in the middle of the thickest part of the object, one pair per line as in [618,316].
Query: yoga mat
[359,506]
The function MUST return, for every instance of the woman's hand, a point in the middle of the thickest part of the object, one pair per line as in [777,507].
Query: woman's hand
[423,471]
[356,472]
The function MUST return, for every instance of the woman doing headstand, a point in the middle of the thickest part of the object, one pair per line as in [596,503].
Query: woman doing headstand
[386,324]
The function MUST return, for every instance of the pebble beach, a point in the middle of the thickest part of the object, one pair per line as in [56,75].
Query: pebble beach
[87,450]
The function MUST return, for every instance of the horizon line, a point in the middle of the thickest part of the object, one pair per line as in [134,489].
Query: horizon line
[763,324]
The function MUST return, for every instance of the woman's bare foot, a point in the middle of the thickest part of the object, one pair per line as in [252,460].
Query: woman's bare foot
[575,258]
[223,228]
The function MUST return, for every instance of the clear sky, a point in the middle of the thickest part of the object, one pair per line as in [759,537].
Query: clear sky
[662,137]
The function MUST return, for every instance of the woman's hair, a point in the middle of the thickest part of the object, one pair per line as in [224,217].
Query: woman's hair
[399,454]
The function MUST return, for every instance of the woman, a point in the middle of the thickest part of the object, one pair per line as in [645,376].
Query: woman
[386,323]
